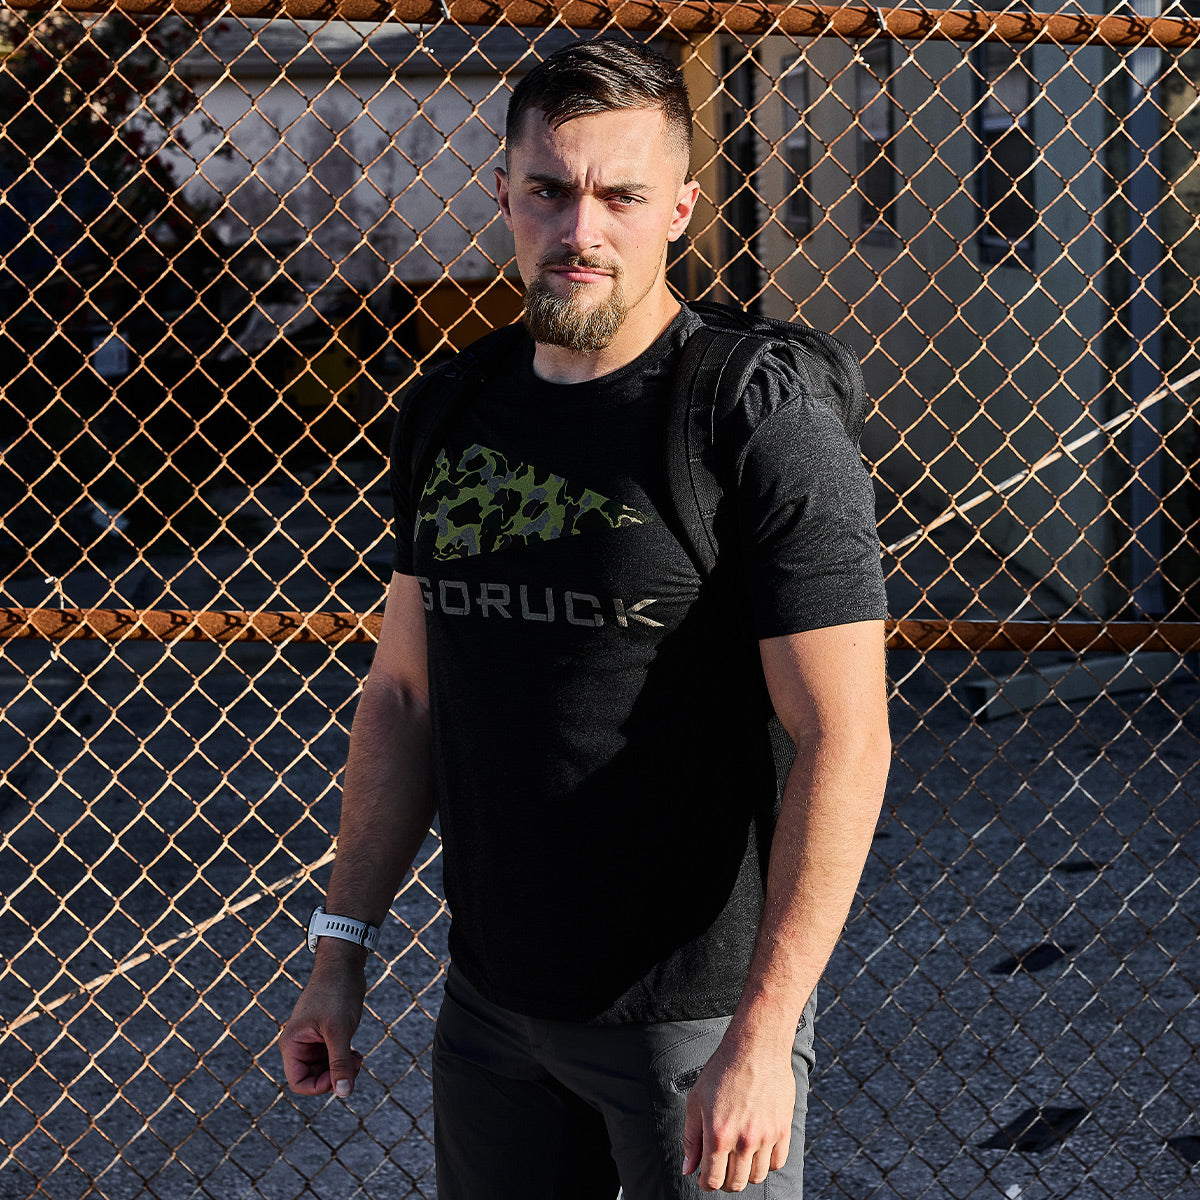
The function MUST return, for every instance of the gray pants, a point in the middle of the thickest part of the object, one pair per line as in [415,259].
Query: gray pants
[529,1109]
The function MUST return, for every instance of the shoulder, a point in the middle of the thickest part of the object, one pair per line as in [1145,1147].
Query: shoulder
[784,365]
[498,349]
[489,350]
[778,381]
[778,417]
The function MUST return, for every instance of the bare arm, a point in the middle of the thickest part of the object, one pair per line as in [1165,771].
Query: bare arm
[387,807]
[828,688]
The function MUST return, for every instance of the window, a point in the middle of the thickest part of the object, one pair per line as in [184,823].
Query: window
[877,175]
[797,153]
[1006,202]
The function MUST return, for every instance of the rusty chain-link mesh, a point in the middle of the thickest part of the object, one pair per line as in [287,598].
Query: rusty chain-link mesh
[226,240]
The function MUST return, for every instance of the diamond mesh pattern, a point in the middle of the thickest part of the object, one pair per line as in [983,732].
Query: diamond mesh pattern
[226,241]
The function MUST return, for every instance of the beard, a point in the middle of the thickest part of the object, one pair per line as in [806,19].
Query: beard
[558,320]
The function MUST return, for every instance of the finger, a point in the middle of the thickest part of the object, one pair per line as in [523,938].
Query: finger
[304,1064]
[737,1171]
[693,1138]
[762,1166]
[713,1167]
[780,1152]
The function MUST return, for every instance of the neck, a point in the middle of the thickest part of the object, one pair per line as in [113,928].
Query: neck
[555,364]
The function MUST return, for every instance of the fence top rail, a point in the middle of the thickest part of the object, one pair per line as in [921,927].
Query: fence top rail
[331,628]
[696,17]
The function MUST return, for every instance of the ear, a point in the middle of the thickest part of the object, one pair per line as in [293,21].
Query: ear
[685,205]
[502,195]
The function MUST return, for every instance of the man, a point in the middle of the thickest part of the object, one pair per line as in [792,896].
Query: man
[636,937]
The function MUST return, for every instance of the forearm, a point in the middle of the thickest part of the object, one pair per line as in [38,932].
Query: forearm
[827,685]
[827,819]
[387,806]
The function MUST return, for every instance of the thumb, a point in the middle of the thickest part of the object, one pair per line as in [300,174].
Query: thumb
[344,1063]
[693,1137]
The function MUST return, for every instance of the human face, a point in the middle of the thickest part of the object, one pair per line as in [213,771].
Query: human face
[592,206]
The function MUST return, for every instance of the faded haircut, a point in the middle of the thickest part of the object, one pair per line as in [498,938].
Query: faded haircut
[600,76]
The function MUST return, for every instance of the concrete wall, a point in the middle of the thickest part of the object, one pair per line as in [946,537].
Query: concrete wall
[1180,226]
[977,368]
[346,145]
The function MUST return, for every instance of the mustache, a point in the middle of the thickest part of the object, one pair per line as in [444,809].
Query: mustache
[579,260]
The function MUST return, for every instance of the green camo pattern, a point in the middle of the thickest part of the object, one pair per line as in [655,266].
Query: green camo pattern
[486,504]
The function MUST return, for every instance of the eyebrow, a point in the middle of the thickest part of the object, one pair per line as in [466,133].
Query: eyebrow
[630,187]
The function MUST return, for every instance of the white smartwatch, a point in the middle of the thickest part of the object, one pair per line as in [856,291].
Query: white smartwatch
[321,924]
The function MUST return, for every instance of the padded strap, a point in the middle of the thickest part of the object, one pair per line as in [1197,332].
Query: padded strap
[713,373]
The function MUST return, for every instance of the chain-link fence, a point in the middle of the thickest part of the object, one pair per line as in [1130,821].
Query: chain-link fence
[226,240]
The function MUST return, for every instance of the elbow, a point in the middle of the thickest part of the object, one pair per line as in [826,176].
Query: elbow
[396,700]
[878,758]
[857,749]
[867,752]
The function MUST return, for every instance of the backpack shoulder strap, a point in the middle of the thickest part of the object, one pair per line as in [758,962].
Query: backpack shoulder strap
[713,372]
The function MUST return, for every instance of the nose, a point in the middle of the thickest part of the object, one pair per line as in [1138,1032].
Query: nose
[583,225]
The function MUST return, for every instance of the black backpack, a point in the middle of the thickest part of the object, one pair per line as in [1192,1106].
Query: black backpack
[718,361]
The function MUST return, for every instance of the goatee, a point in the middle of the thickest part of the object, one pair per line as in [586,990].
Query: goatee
[558,320]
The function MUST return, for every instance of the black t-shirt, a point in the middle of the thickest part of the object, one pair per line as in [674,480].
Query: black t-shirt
[605,781]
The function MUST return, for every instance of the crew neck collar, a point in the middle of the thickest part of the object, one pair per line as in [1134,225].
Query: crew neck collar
[610,388]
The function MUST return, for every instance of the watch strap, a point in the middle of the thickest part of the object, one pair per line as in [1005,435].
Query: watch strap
[322,924]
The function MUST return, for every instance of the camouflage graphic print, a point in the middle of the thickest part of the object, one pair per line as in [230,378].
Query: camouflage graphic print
[486,504]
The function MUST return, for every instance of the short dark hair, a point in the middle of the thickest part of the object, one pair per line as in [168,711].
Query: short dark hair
[599,76]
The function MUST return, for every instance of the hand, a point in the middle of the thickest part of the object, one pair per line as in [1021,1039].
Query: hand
[315,1043]
[739,1115]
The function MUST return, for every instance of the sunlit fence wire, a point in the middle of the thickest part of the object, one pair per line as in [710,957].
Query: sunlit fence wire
[227,239]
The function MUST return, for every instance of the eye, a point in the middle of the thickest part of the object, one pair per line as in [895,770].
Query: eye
[625,201]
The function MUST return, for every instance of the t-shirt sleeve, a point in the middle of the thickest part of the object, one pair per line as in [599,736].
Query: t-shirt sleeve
[806,515]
